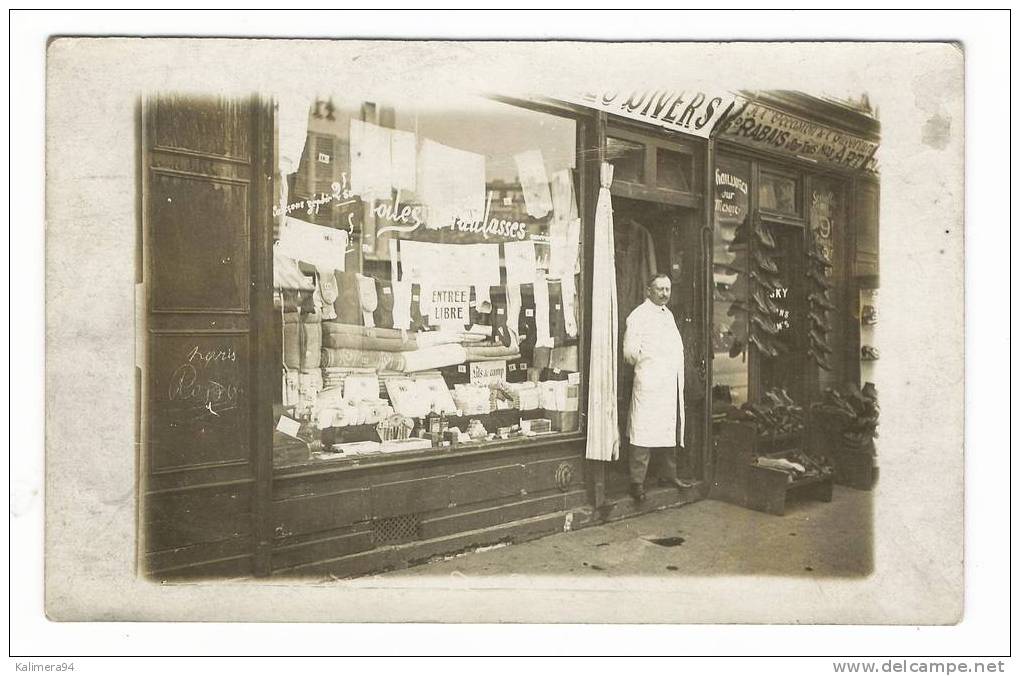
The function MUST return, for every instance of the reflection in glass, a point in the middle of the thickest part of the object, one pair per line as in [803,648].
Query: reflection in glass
[627,158]
[674,170]
[778,194]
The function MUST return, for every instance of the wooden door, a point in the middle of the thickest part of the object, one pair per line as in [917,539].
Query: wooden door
[206,188]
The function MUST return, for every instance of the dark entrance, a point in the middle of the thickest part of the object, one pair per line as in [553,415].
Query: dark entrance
[650,238]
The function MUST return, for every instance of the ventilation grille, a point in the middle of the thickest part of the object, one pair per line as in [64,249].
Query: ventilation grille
[394,529]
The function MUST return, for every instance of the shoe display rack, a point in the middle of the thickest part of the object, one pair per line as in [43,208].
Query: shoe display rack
[740,479]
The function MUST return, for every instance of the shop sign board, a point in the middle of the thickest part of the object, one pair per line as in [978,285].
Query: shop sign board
[689,111]
[767,128]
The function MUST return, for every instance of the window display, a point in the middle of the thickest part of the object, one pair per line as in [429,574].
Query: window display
[426,273]
[731,295]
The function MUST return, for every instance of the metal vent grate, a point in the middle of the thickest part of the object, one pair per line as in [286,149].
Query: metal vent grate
[396,529]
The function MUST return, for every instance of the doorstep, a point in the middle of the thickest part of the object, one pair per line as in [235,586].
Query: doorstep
[623,507]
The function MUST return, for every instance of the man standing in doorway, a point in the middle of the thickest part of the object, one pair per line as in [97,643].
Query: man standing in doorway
[652,344]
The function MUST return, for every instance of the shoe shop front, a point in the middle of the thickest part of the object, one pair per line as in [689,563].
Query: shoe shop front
[795,269]
[381,331]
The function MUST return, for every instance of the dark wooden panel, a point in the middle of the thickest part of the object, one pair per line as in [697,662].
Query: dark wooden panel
[198,401]
[197,554]
[320,512]
[205,515]
[212,126]
[486,517]
[234,567]
[318,550]
[200,476]
[866,213]
[486,484]
[199,229]
[407,497]
[541,476]
[400,556]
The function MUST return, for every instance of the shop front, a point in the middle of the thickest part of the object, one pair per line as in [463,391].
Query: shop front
[372,324]
[795,248]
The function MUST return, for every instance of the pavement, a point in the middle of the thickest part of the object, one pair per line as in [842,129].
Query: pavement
[703,538]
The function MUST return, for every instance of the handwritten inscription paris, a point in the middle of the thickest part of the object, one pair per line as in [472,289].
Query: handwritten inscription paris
[207,381]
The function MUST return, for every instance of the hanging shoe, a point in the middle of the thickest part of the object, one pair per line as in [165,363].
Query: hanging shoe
[764,262]
[766,280]
[765,325]
[819,278]
[764,303]
[821,299]
[739,235]
[820,360]
[817,319]
[817,254]
[786,398]
[761,231]
[765,349]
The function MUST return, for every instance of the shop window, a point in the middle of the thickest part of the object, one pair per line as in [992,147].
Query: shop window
[627,158]
[428,298]
[674,170]
[778,194]
[730,270]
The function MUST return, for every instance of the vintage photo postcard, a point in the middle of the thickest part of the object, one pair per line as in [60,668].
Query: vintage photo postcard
[504,331]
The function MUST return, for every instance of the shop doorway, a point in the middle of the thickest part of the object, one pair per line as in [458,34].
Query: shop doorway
[650,238]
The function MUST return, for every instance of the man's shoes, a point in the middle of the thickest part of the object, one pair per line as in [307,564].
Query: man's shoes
[637,491]
[680,484]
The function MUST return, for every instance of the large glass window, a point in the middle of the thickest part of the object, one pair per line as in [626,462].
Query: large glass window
[426,275]
[731,282]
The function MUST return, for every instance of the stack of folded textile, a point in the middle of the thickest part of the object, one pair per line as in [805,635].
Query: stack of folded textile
[332,377]
[347,346]
[472,399]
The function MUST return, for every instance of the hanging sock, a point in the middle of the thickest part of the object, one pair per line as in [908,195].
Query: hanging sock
[543,337]
[526,323]
[348,302]
[328,291]
[569,305]
[368,299]
[557,323]
[417,319]
[401,305]
[383,315]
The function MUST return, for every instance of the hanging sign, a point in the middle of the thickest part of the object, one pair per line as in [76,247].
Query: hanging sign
[688,111]
[450,307]
[767,128]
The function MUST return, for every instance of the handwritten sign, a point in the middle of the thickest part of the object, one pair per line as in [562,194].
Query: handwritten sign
[731,198]
[764,127]
[488,372]
[691,112]
[198,399]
